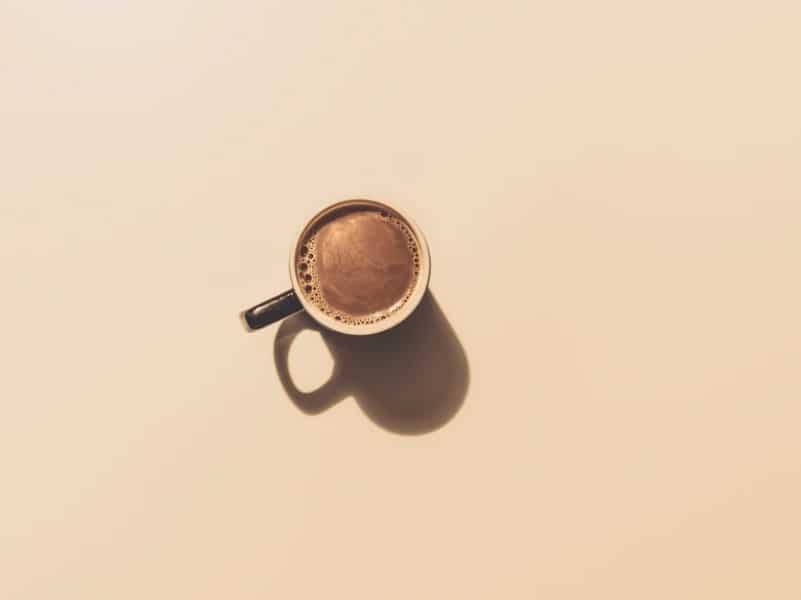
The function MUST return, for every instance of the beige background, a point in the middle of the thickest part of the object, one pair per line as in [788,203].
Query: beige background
[612,192]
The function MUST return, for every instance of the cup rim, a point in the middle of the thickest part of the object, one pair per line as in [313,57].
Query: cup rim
[370,328]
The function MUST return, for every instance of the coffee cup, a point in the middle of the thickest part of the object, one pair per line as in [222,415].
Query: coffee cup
[357,267]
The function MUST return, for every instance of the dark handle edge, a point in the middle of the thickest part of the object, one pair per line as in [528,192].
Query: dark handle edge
[271,310]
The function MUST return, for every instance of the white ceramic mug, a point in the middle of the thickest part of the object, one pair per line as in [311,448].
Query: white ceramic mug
[294,300]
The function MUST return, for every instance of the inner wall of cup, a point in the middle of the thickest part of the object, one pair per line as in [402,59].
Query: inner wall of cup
[361,329]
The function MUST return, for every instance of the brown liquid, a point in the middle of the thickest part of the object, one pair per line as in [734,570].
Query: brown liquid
[359,264]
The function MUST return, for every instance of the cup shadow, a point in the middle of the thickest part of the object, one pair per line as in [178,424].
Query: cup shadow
[411,380]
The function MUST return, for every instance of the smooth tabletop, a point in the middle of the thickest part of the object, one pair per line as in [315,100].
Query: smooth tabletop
[601,398]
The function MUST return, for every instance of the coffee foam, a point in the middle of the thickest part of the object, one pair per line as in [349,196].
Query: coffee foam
[306,268]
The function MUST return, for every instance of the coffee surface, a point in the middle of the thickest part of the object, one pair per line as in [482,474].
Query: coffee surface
[359,264]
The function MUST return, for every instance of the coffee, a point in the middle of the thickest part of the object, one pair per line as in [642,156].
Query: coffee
[358,264]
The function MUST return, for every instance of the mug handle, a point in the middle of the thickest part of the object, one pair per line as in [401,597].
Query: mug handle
[272,310]
[325,396]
